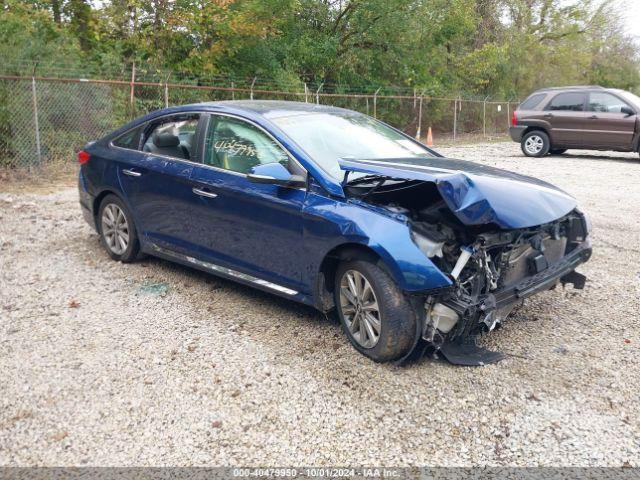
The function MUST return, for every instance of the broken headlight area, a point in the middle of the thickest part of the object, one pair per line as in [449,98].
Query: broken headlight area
[493,271]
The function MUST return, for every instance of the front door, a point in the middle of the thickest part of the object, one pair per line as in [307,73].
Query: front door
[248,227]
[607,125]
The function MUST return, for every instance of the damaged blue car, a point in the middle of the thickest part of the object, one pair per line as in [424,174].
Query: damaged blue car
[416,253]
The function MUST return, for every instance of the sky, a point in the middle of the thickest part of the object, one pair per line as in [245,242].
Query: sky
[631,11]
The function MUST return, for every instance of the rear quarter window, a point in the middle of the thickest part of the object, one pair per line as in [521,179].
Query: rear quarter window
[532,102]
[130,139]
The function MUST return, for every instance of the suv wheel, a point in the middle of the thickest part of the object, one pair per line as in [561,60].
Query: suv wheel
[535,144]
[375,314]
[117,231]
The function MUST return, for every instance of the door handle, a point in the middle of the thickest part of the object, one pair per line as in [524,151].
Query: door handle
[593,117]
[548,115]
[131,173]
[204,193]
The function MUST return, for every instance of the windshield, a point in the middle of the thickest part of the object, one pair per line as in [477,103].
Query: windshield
[629,97]
[328,137]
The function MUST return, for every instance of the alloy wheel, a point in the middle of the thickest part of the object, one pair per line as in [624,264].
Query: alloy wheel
[115,229]
[534,144]
[360,309]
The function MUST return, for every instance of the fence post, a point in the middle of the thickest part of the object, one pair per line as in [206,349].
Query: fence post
[133,80]
[318,94]
[419,129]
[375,103]
[455,118]
[484,117]
[252,84]
[233,91]
[306,93]
[35,118]
[166,92]
[509,112]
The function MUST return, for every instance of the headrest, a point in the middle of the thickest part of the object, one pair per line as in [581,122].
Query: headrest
[165,139]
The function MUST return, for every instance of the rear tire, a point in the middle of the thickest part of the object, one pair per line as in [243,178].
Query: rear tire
[117,231]
[535,144]
[391,328]
[557,151]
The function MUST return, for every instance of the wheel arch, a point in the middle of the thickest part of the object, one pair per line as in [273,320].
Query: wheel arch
[101,196]
[325,284]
[533,128]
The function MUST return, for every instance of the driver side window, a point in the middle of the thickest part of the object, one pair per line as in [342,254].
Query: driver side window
[235,145]
[605,103]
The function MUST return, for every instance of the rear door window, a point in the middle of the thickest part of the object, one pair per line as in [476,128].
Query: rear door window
[570,102]
[532,102]
[173,137]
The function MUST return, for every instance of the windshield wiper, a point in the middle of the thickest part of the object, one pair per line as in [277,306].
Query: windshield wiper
[364,179]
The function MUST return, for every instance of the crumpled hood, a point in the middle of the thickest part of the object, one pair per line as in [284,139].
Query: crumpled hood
[478,194]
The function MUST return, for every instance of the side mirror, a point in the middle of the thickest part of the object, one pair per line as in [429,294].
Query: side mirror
[627,111]
[275,174]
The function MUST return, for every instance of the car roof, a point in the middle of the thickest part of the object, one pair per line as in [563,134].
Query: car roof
[570,88]
[270,108]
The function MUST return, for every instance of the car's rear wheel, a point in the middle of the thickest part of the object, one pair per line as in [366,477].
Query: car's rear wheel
[117,231]
[557,151]
[375,314]
[535,144]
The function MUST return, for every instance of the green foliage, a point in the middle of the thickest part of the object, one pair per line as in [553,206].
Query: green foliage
[498,48]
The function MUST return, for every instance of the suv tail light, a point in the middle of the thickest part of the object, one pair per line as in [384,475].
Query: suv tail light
[514,119]
[83,157]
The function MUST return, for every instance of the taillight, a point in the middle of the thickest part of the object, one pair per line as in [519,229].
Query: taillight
[514,119]
[83,157]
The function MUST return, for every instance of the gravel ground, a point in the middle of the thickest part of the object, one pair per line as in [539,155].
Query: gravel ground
[155,364]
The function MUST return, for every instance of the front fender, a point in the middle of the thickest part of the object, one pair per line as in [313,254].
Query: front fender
[330,223]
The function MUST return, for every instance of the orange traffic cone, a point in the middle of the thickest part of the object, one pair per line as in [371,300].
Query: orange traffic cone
[429,138]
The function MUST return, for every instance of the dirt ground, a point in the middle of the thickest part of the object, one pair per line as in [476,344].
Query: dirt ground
[156,364]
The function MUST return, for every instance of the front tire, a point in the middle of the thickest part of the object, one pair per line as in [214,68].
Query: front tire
[117,231]
[535,144]
[375,314]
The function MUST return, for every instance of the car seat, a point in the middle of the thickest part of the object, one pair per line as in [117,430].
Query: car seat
[166,143]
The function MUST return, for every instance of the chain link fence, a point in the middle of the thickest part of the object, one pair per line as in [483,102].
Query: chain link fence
[44,120]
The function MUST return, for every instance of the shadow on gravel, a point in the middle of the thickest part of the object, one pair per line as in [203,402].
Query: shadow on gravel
[598,158]
[253,294]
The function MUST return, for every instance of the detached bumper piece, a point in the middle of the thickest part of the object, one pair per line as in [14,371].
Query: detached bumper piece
[469,354]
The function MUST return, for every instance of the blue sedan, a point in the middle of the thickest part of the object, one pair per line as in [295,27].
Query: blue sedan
[329,207]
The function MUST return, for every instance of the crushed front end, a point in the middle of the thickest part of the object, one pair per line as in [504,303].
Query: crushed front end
[493,271]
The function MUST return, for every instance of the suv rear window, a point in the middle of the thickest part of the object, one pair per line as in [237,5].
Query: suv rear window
[532,102]
[573,102]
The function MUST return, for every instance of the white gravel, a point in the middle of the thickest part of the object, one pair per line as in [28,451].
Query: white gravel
[97,370]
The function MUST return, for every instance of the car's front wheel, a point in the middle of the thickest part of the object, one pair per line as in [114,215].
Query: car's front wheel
[117,231]
[375,314]
[535,144]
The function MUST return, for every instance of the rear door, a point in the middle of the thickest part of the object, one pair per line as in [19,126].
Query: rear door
[608,126]
[156,180]
[566,115]
[248,227]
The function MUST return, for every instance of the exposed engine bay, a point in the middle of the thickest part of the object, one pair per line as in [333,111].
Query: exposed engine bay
[492,270]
